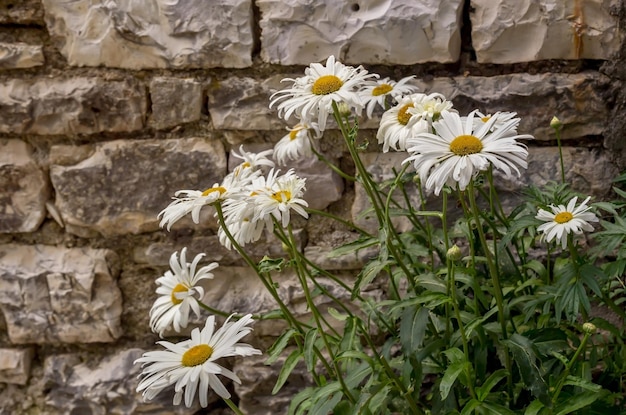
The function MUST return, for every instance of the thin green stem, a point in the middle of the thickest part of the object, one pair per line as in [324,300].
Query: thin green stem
[347,223]
[557,131]
[232,406]
[332,166]
[569,365]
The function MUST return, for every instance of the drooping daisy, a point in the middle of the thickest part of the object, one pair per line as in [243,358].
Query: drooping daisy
[311,96]
[281,195]
[376,92]
[565,220]
[189,201]
[251,162]
[190,365]
[178,292]
[502,117]
[401,122]
[240,220]
[297,143]
[459,150]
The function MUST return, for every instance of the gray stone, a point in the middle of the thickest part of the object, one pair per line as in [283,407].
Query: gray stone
[242,103]
[24,188]
[137,34]
[59,295]
[576,99]
[175,101]
[403,32]
[20,55]
[79,105]
[22,12]
[509,31]
[322,256]
[15,365]
[120,186]
[104,385]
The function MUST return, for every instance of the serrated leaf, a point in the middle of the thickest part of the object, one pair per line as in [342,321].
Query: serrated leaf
[336,314]
[582,383]
[534,408]
[309,348]
[449,377]
[361,243]
[493,379]
[299,399]
[413,328]
[285,371]
[578,401]
[525,359]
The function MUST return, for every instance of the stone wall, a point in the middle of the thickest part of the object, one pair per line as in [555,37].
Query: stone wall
[108,107]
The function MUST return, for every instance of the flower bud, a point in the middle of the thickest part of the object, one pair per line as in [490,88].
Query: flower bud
[589,328]
[555,123]
[344,109]
[454,253]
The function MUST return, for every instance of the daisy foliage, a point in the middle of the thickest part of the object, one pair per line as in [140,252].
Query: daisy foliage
[440,297]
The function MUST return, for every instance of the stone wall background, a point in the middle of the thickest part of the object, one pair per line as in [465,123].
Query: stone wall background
[107,107]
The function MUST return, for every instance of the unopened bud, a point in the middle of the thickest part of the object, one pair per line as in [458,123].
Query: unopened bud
[344,109]
[555,123]
[589,328]
[454,253]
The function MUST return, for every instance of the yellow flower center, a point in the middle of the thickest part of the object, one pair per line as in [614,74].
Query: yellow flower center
[282,195]
[485,118]
[220,189]
[464,145]
[381,89]
[197,355]
[563,217]
[293,134]
[180,288]
[326,84]
[403,116]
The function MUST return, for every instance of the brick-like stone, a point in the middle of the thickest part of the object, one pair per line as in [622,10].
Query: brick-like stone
[175,101]
[22,12]
[59,295]
[79,105]
[162,34]
[24,188]
[509,31]
[576,99]
[119,187]
[242,103]
[15,365]
[20,55]
[404,32]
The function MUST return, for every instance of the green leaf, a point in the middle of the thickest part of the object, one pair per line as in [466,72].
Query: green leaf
[327,405]
[285,371]
[449,377]
[534,408]
[267,264]
[413,328]
[336,314]
[493,379]
[299,399]
[582,383]
[578,401]
[279,345]
[497,409]
[309,349]
[522,349]
[369,272]
[361,243]
[469,407]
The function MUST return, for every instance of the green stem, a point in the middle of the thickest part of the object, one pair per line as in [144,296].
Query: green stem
[557,131]
[568,367]
[232,406]
[332,166]
[340,220]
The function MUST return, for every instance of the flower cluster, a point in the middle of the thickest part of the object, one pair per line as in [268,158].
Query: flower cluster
[447,152]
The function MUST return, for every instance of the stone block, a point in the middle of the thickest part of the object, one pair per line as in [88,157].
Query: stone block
[242,103]
[59,295]
[80,105]
[578,100]
[24,188]
[15,365]
[22,12]
[509,31]
[20,55]
[136,34]
[175,101]
[119,187]
[102,386]
[395,32]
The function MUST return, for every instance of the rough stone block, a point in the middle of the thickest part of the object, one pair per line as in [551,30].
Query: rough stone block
[243,104]
[59,295]
[24,188]
[402,32]
[102,386]
[508,31]
[15,365]
[20,55]
[175,101]
[120,186]
[79,105]
[22,12]
[576,99]
[135,34]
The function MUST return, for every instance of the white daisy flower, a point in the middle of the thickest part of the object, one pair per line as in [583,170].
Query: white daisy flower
[459,150]
[178,293]
[297,143]
[398,123]
[189,201]
[190,365]
[239,217]
[502,118]
[565,220]
[311,96]
[280,195]
[377,91]
[429,107]
[251,163]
